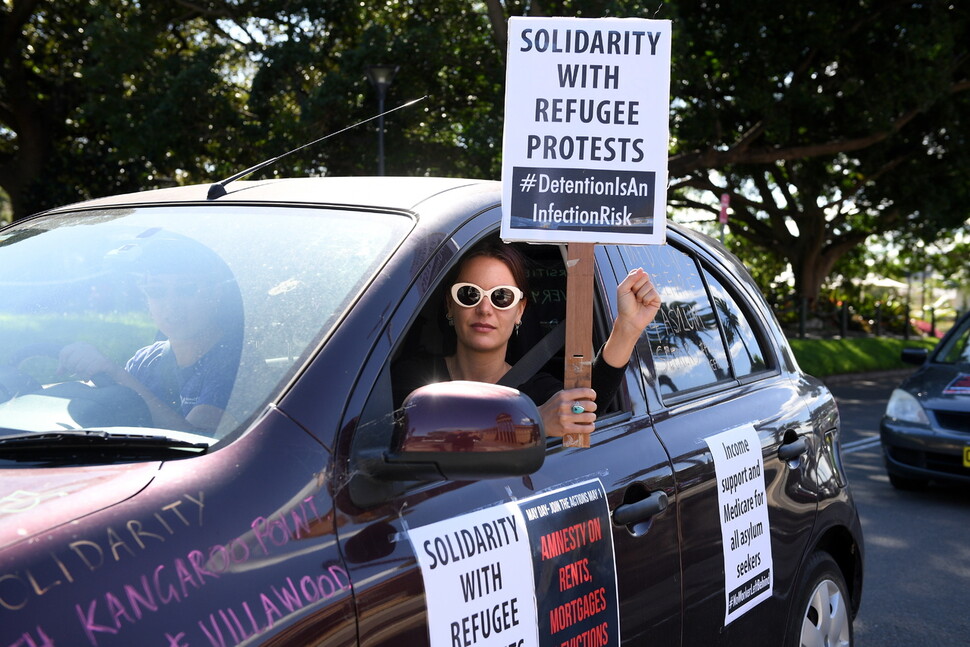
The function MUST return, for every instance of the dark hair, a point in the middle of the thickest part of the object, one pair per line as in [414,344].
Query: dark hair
[493,247]
[157,251]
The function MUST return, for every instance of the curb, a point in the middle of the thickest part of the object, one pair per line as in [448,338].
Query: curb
[847,378]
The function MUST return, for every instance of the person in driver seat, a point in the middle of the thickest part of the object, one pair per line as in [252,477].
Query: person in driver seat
[187,375]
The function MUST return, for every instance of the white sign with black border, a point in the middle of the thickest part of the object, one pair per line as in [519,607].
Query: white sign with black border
[472,568]
[584,155]
[743,512]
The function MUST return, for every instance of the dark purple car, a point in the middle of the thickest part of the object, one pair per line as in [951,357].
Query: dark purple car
[274,492]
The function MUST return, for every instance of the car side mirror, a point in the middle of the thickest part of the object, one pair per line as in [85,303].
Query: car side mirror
[462,431]
[915,356]
[447,431]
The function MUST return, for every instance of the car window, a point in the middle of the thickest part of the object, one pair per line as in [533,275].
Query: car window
[684,339]
[747,355]
[956,348]
[130,288]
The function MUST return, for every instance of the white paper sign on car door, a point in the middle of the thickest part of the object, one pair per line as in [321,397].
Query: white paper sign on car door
[477,571]
[743,510]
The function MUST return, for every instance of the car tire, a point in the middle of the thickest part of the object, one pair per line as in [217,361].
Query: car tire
[906,483]
[822,614]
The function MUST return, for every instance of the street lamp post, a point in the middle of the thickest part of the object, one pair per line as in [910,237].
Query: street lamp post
[380,76]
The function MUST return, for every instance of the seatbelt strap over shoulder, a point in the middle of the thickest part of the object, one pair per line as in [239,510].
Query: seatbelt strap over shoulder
[536,357]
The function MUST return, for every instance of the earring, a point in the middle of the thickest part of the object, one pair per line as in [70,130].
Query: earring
[451,320]
[517,324]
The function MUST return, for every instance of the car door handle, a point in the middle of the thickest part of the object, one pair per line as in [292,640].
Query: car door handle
[791,451]
[642,510]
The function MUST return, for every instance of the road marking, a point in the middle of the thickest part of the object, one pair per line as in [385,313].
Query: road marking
[859,445]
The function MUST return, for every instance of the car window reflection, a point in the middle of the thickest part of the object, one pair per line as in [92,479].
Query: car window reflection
[207,318]
[747,355]
[685,341]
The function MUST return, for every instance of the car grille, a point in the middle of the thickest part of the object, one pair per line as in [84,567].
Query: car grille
[953,420]
[942,463]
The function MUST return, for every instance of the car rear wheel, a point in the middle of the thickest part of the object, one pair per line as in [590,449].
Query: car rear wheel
[821,616]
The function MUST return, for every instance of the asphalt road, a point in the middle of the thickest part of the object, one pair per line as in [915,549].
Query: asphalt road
[917,579]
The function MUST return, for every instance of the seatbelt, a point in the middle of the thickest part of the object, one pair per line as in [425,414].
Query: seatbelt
[536,357]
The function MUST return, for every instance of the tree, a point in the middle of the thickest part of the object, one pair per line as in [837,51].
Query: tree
[825,123]
[101,98]
[105,97]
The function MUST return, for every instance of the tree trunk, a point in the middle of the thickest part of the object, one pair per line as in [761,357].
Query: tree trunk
[812,259]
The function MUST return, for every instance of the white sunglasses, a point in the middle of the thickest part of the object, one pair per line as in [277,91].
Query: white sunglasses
[502,297]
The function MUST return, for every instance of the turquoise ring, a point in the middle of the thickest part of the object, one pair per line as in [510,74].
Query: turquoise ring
[578,408]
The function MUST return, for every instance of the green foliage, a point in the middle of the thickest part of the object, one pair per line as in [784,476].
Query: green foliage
[826,122]
[6,213]
[127,96]
[824,357]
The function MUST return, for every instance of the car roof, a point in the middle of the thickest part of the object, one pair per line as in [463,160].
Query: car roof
[399,193]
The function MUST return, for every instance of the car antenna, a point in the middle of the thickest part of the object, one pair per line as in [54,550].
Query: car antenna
[218,189]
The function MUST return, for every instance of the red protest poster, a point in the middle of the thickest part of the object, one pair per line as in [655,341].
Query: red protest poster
[574,567]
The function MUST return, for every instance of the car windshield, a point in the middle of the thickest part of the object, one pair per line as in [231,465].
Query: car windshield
[956,348]
[209,309]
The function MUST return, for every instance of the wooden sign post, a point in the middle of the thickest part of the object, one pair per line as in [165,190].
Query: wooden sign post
[579,327]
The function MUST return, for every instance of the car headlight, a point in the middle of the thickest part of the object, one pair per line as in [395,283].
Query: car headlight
[903,406]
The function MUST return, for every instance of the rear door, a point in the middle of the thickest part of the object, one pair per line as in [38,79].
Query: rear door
[403,542]
[727,412]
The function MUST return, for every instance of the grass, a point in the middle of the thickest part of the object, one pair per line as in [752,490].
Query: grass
[824,357]
[117,336]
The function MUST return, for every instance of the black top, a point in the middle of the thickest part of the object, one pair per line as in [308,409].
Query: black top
[411,373]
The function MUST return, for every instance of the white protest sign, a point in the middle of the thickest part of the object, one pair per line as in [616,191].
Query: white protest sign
[477,571]
[584,154]
[743,512]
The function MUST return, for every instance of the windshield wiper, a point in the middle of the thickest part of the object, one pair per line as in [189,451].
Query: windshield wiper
[95,446]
